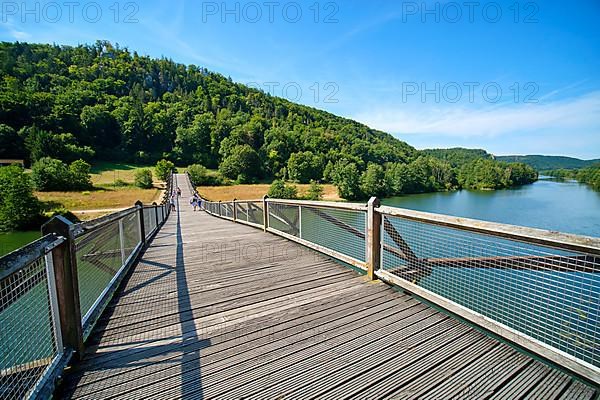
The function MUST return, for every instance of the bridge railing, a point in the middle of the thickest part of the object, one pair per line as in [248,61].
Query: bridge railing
[53,291]
[535,288]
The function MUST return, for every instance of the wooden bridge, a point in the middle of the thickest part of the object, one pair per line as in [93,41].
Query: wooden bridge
[221,310]
[215,309]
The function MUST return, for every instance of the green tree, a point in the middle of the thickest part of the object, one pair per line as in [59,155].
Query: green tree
[243,161]
[346,177]
[143,178]
[280,190]
[304,166]
[373,182]
[163,169]
[11,144]
[198,174]
[80,178]
[19,208]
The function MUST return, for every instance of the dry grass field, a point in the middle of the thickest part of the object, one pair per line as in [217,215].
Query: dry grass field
[103,198]
[254,192]
[105,173]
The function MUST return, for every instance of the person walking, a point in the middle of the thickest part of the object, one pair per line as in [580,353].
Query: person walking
[178,192]
[172,202]
[194,201]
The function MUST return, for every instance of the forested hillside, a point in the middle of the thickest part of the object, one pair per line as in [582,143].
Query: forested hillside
[544,163]
[458,156]
[102,102]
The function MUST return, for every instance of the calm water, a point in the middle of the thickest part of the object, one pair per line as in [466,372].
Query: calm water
[548,204]
[13,240]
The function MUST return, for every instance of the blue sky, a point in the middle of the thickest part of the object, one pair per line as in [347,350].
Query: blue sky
[510,77]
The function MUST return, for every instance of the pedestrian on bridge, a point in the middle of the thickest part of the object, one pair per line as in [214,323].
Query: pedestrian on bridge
[194,200]
[172,202]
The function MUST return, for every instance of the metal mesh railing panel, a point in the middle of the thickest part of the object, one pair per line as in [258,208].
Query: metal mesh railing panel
[27,335]
[285,218]
[149,221]
[98,260]
[341,230]
[227,210]
[241,210]
[255,212]
[551,295]
[131,234]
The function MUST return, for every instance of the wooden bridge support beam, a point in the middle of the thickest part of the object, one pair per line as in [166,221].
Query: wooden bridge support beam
[67,285]
[373,241]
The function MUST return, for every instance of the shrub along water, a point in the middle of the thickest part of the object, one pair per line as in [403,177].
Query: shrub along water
[19,208]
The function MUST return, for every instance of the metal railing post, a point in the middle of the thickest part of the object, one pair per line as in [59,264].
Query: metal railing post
[220,208]
[265,213]
[155,212]
[300,221]
[64,261]
[140,205]
[373,250]
[122,241]
[234,211]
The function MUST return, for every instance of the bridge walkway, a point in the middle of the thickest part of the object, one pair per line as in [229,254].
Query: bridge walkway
[222,310]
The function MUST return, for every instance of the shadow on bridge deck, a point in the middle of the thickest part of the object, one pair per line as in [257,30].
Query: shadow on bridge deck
[220,310]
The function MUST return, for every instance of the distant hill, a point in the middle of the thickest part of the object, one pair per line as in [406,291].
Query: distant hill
[458,156]
[543,163]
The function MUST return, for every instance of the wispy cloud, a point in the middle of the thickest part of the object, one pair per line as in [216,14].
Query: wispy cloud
[573,114]
[13,31]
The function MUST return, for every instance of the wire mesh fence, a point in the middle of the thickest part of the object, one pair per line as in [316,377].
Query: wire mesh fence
[99,257]
[550,294]
[149,221]
[343,231]
[255,212]
[30,342]
[285,218]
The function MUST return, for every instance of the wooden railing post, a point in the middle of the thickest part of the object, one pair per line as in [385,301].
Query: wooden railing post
[234,210]
[67,285]
[140,205]
[373,242]
[265,213]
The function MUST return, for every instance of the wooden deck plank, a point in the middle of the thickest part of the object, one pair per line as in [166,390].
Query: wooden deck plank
[222,310]
[243,341]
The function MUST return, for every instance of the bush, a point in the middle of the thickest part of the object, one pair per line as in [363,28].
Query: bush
[120,183]
[143,178]
[80,175]
[163,168]
[198,174]
[279,190]
[50,174]
[19,208]
[315,191]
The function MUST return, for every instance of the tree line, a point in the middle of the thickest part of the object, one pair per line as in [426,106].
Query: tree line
[103,102]
[589,176]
